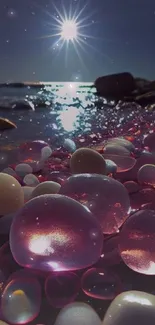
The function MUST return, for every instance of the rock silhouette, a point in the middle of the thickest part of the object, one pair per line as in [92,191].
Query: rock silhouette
[123,86]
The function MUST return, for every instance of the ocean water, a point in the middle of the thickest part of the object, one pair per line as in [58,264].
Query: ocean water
[61,110]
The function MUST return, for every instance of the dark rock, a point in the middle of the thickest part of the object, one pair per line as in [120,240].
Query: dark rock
[115,86]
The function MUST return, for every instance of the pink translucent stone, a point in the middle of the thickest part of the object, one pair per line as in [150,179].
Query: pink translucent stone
[137,242]
[21,300]
[54,232]
[145,158]
[100,284]
[124,163]
[107,198]
[62,288]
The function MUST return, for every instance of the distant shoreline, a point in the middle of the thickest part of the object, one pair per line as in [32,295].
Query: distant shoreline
[43,84]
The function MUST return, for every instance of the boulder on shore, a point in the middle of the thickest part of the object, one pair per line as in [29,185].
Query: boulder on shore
[115,86]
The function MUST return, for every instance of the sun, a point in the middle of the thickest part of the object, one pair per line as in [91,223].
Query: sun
[69,30]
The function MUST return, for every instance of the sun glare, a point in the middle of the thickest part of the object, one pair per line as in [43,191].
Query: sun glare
[69,30]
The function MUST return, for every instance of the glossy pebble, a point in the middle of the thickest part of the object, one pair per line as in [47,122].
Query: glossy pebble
[21,300]
[85,160]
[69,145]
[105,197]
[62,288]
[46,188]
[100,284]
[31,180]
[131,307]
[11,194]
[146,175]
[23,169]
[137,242]
[46,153]
[111,167]
[54,232]
[77,313]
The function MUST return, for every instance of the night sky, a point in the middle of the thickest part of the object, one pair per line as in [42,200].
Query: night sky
[117,35]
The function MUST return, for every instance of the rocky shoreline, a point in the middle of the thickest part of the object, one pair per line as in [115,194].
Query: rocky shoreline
[125,87]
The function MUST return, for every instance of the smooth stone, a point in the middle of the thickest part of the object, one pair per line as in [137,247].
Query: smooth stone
[85,160]
[55,233]
[77,313]
[47,187]
[131,308]
[11,194]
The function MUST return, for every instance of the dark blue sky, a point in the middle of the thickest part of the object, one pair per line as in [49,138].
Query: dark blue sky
[121,37]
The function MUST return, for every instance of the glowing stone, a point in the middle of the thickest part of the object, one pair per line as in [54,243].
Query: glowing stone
[131,307]
[62,288]
[46,188]
[146,175]
[55,233]
[137,242]
[100,284]
[105,197]
[11,194]
[21,300]
[23,169]
[85,160]
[31,153]
[77,313]
[69,30]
